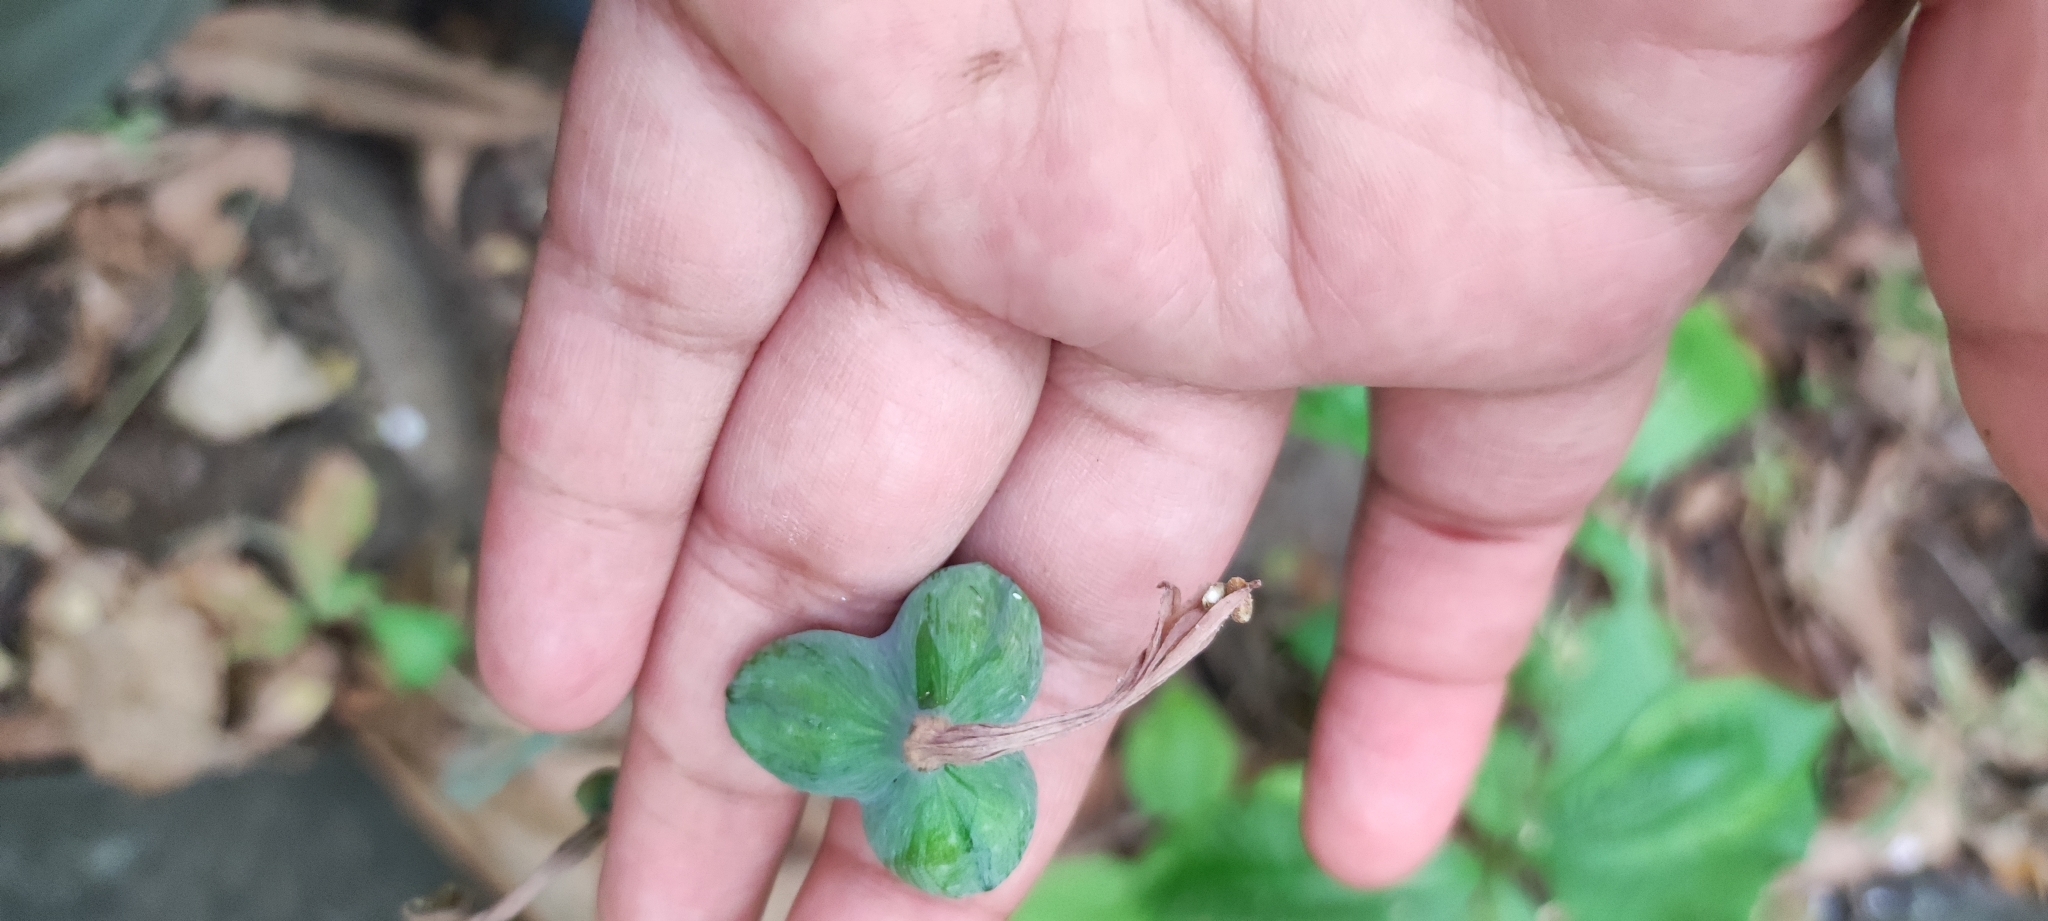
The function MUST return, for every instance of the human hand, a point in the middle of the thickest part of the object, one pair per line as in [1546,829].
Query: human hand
[1081,256]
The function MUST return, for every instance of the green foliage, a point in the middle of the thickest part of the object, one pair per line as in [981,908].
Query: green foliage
[333,514]
[1709,792]
[1313,641]
[1621,789]
[1231,853]
[1182,758]
[1713,383]
[416,643]
[829,712]
[1638,793]
[58,56]
[1339,416]
[594,793]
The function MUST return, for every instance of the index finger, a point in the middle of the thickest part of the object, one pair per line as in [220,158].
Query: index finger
[681,219]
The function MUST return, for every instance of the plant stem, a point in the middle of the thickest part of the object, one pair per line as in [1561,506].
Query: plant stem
[1180,635]
[192,299]
[572,852]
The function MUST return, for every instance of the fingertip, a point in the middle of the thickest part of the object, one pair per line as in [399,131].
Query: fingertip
[565,603]
[1389,765]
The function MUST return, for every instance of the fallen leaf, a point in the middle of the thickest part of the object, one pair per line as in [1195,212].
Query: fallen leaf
[281,699]
[367,77]
[244,376]
[40,188]
[187,205]
[141,689]
[330,516]
[258,620]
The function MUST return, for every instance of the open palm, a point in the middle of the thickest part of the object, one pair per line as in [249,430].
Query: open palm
[834,292]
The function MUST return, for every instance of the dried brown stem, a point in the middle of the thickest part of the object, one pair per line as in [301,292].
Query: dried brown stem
[443,906]
[1179,636]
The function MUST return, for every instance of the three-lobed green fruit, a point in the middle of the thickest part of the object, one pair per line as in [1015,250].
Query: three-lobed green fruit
[828,713]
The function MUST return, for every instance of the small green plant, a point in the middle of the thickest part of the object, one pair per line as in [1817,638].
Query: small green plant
[1340,416]
[334,513]
[1713,383]
[1622,789]
[920,725]
[1230,850]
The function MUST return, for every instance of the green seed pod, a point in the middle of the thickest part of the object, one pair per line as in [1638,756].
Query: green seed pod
[829,713]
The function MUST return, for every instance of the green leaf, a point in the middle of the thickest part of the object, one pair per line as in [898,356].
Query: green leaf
[1587,680]
[1096,887]
[416,643]
[57,56]
[1180,755]
[956,831]
[1503,797]
[1248,863]
[1340,416]
[1313,641]
[973,643]
[333,513]
[825,712]
[347,596]
[1705,797]
[1456,886]
[594,794]
[1713,383]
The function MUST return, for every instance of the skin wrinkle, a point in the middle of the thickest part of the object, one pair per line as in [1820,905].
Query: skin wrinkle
[1289,250]
[645,313]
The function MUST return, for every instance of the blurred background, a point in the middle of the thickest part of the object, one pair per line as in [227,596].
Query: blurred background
[260,268]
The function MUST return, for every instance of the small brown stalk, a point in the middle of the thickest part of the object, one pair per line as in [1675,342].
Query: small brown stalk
[1180,635]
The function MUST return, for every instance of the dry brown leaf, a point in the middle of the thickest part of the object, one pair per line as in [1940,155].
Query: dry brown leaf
[1839,559]
[40,188]
[141,689]
[187,205]
[1716,593]
[2013,851]
[280,700]
[367,77]
[23,520]
[244,376]
[27,221]
[258,620]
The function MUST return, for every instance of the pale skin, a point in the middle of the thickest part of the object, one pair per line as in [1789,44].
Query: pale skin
[832,293]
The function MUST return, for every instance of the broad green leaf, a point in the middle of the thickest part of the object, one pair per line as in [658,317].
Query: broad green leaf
[1313,641]
[956,831]
[1180,754]
[347,596]
[1588,679]
[1096,887]
[1713,383]
[1504,795]
[1709,792]
[1248,863]
[333,513]
[1456,886]
[57,56]
[1340,416]
[416,643]
[972,641]
[825,712]
[594,794]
